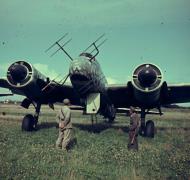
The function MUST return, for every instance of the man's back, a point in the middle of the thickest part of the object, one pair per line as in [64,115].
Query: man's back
[134,122]
[65,117]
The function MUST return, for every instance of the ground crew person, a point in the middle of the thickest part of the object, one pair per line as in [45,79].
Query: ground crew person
[65,126]
[133,129]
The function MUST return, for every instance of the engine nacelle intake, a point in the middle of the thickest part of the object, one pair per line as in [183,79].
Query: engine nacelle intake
[22,74]
[147,82]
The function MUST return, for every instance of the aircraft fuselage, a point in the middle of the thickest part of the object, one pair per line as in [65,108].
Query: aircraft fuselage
[86,75]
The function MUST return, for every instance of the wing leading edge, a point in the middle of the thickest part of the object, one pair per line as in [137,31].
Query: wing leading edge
[56,92]
[4,83]
[178,93]
[122,95]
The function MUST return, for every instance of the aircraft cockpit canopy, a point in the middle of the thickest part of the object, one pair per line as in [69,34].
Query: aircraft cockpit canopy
[88,55]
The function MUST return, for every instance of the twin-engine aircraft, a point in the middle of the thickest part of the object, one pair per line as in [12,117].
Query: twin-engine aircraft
[89,88]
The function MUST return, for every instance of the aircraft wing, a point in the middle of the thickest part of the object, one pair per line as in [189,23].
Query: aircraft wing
[121,95]
[56,92]
[4,83]
[179,93]
[51,93]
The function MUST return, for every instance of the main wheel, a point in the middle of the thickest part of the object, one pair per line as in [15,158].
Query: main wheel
[28,123]
[150,129]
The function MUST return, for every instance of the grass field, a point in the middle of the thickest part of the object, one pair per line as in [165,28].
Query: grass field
[100,153]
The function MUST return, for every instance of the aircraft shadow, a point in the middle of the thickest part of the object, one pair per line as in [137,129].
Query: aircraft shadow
[98,128]
[47,125]
[173,128]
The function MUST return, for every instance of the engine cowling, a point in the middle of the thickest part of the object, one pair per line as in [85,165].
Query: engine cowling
[23,76]
[147,82]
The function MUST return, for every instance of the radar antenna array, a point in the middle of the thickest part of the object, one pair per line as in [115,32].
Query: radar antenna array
[61,46]
[95,47]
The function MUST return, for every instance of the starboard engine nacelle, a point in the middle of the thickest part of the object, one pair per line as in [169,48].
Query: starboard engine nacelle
[22,74]
[147,82]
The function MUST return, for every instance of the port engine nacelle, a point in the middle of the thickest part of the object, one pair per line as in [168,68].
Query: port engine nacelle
[23,76]
[147,82]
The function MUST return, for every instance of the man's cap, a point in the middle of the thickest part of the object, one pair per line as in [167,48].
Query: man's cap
[66,101]
[132,109]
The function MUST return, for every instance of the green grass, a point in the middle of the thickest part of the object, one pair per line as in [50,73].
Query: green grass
[100,155]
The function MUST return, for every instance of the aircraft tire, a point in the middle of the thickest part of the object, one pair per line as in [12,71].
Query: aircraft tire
[150,129]
[28,123]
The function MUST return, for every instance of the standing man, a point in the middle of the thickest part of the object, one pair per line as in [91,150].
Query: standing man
[133,129]
[65,126]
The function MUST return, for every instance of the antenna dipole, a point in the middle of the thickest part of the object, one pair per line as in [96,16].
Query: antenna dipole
[96,47]
[93,44]
[56,41]
[61,47]
[100,37]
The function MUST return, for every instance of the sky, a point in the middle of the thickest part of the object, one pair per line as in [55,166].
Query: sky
[138,31]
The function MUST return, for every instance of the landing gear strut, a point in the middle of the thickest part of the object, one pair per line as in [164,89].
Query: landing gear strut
[93,116]
[149,129]
[30,121]
[146,129]
[111,113]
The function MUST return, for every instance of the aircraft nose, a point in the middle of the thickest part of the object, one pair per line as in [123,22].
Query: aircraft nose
[78,67]
[75,67]
[18,72]
[147,76]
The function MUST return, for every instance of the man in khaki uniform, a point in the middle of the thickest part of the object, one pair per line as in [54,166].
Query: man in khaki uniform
[65,126]
[133,129]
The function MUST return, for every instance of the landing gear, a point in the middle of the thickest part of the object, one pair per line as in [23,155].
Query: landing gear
[111,113]
[93,117]
[147,129]
[143,125]
[29,122]
[111,120]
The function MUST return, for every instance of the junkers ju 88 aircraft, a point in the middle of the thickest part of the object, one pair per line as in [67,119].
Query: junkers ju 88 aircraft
[89,88]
